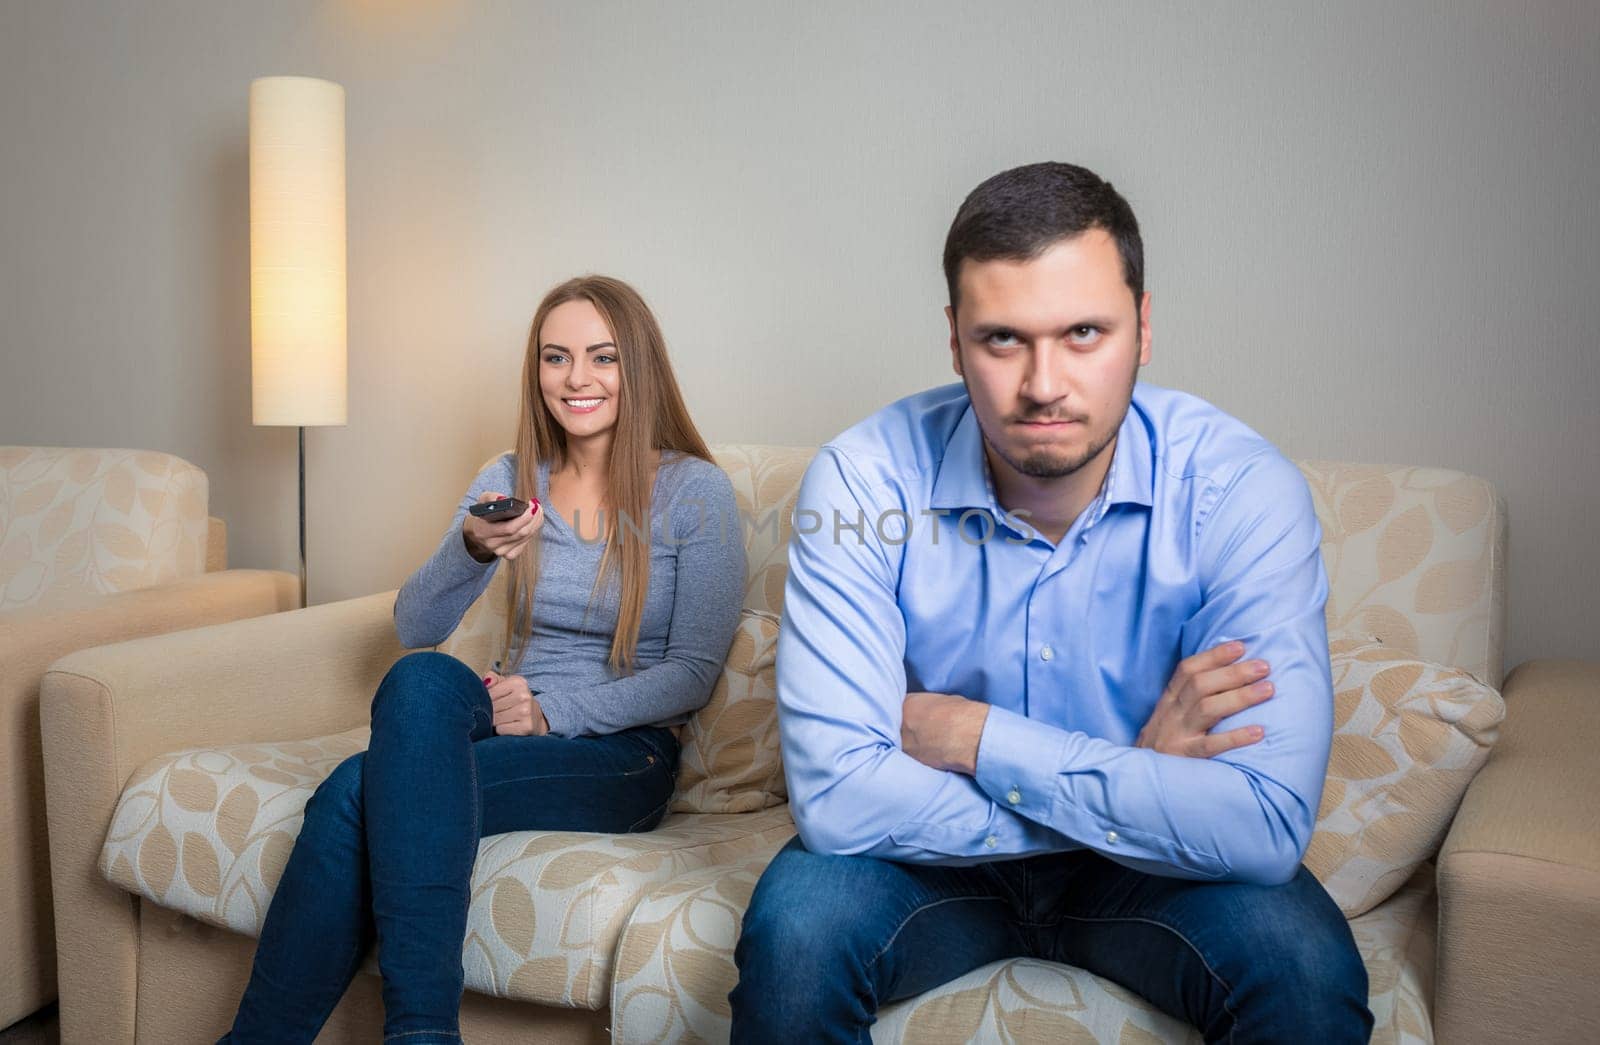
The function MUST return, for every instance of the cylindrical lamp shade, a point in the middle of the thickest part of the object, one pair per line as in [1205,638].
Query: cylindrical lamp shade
[297,274]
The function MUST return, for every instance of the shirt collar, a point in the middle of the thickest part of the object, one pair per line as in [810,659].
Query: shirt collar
[1132,473]
[963,480]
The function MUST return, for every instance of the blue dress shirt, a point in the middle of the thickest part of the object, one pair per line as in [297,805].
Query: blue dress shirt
[905,574]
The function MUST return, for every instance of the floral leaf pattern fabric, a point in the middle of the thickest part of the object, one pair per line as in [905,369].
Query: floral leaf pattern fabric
[1409,736]
[766,486]
[208,833]
[1415,560]
[78,523]
[731,761]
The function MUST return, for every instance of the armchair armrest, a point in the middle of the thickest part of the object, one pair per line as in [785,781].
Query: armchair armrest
[30,640]
[1519,873]
[106,711]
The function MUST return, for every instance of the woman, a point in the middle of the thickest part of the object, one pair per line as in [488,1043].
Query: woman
[627,574]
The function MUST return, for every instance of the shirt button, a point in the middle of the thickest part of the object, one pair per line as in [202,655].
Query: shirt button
[1014,796]
[1111,838]
[991,842]
[1045,653]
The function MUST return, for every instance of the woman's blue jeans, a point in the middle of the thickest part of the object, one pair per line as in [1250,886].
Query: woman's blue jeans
[389,840]
[828,940]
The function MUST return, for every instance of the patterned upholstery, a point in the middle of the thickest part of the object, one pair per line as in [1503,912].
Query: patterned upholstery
[1409,736]
[731,762]
[675,968]
[75,523]
[208,833]
[766,484]
[549,907]
[1041,1001]
[1415,558]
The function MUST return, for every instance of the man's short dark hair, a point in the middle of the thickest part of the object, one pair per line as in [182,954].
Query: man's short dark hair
[1019,214]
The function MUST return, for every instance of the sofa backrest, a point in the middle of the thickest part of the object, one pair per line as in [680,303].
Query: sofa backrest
[82,522]
[1416,559]
[1415,556]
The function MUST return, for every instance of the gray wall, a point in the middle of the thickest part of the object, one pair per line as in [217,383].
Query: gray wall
[1372,230]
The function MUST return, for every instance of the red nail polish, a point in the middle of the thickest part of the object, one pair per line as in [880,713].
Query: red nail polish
[486,681]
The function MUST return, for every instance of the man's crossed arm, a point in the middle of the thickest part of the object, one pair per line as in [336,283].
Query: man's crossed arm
[938,778]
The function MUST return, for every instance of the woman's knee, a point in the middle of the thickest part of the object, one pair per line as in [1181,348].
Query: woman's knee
[337,800]
[421,686]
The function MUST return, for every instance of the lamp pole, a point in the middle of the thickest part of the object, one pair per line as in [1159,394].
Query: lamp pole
[298,368]
[303,602]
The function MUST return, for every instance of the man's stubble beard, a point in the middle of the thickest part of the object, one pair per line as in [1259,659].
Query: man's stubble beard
[1045,464]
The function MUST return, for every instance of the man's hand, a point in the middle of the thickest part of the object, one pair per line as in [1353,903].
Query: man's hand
[1207,688]
[516,710]
[942,730]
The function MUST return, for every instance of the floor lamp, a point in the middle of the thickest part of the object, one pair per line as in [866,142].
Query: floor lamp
[297,261]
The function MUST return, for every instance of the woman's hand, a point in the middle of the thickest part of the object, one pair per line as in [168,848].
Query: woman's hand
[487,541]
[516,710]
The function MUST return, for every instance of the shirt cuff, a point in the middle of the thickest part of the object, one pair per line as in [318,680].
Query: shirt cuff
[1017,764]
[560,714]
[460,562]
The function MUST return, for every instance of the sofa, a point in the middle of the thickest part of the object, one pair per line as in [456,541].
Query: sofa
[96,545]
[1456,828]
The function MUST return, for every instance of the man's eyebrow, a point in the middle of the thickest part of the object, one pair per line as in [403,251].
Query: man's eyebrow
[983,330]
[592,348]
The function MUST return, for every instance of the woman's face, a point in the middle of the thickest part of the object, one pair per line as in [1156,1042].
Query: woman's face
[580,376]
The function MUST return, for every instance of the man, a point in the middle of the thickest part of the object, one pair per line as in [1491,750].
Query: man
[1053,675]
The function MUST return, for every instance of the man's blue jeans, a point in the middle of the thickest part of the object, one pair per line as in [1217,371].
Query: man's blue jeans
[389,840]
[827,940]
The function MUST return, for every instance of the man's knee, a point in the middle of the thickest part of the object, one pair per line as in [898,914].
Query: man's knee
[1315,936]
[795,912]
[1300,936]
[802,974]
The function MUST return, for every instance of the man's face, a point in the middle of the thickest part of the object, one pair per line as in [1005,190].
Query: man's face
[1049,350]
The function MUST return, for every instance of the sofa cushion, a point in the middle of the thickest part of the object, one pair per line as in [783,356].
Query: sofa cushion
[675,968]
[1025,1000]
[548,907]
[1415,560]
[208,832]
[766,485]
[1408,738]
[78,523]
[731,761]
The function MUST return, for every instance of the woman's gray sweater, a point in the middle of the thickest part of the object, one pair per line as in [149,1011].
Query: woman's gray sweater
[697,579]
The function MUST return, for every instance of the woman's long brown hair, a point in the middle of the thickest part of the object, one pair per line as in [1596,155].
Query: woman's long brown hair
[651,417]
